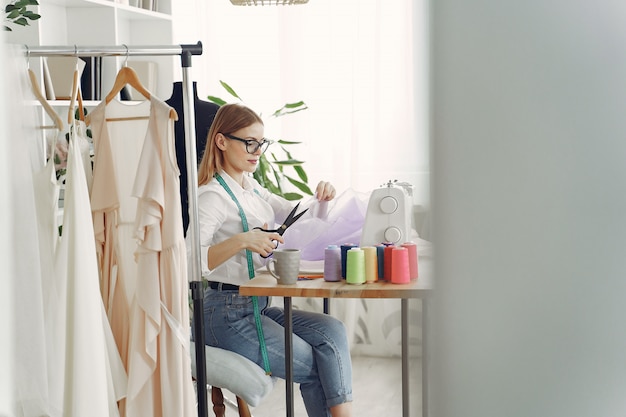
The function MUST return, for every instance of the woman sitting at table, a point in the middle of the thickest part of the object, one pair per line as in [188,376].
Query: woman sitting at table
[230,205]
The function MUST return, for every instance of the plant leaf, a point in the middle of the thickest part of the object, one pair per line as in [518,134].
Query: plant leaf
[25,3]
[216,100]
[292,196]
[230,90]
[288,162]
[286,142]
[21,21]
[290,108]
[300,185]
[301,173]
[31,15]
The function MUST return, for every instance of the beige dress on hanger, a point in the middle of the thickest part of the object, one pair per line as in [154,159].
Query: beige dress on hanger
[138,225]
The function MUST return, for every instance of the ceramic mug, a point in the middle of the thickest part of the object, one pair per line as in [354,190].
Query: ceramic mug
[287,265]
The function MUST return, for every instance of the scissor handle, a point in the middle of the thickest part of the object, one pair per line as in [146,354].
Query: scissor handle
[274,240]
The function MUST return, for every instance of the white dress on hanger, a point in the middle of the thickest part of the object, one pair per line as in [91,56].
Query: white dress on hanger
[47,198]
[93,378]
[32,246]
[138,226]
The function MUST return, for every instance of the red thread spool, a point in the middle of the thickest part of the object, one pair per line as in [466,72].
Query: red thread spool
[387,262]
[412,248]
[400,265]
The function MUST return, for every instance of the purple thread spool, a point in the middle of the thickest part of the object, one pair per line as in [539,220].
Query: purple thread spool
[332,263]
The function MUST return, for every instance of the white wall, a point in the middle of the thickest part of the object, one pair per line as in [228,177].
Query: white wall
[351,61]
[6,272]
[530,200]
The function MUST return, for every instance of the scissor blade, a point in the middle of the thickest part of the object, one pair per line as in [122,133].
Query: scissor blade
[297,217]
[291,219]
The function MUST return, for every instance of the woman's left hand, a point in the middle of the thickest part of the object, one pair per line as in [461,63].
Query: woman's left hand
[324,191]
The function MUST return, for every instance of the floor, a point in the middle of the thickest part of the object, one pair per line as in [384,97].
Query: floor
[377,391]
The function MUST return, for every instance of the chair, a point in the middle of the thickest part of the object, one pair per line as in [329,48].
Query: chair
[236,373]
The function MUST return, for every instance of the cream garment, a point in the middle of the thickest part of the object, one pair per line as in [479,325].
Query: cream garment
[89,359]
[47,199]
[34,196]
[138,226]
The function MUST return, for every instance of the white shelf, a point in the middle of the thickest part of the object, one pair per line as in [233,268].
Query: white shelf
[164,13]
[103,23]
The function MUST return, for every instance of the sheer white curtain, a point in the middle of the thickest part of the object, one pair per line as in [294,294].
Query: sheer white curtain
[358,64]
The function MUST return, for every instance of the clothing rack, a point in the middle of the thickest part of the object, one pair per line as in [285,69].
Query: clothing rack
[195,277]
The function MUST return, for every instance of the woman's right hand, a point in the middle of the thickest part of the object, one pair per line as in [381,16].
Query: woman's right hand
[262,242]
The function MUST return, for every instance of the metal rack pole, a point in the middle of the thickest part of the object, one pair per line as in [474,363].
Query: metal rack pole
[117,50]
[193,233]
[195,277]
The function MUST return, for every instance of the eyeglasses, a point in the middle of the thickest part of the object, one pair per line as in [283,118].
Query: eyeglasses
[252,145]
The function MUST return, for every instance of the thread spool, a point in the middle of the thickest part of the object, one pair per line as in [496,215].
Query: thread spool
[344,250]
[380,254]
[355,266]
[371,264]
[400,265]
[388,264]
[412,248]
[332,263]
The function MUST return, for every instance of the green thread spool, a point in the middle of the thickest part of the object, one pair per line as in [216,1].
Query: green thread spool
[355,266]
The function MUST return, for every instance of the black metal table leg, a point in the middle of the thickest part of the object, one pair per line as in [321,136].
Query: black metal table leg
[404,313]
[289,355]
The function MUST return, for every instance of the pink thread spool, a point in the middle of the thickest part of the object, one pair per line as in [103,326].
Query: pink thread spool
[400,265]
[412,248]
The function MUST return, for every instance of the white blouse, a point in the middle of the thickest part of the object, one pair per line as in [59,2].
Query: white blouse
[218,218]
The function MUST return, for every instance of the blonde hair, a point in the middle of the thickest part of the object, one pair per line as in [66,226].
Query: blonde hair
[228,119]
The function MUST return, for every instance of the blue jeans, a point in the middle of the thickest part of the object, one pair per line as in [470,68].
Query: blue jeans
[321,355]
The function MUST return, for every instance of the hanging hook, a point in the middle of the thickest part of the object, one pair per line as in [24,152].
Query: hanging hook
[27,57]
[126,59]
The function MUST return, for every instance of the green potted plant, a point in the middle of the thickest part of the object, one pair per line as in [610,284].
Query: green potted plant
[273,173]
[17,13]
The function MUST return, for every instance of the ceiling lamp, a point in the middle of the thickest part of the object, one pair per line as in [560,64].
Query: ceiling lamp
[267,2]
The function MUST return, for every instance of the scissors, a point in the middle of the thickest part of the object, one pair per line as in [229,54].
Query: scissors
[291,219]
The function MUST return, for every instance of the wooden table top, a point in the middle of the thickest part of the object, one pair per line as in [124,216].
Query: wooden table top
[265,284]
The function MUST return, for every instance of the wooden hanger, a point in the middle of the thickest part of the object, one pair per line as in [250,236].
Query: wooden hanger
[76,94]
[58,123]
[128,76]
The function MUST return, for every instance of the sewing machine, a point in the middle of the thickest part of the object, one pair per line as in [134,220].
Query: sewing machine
[388,217]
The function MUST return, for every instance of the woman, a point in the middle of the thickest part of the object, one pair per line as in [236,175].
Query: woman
[231,207]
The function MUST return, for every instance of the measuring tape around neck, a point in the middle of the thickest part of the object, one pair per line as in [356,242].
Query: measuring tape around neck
[255,301]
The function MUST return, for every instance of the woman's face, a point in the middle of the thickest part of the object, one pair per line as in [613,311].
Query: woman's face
[236,158]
